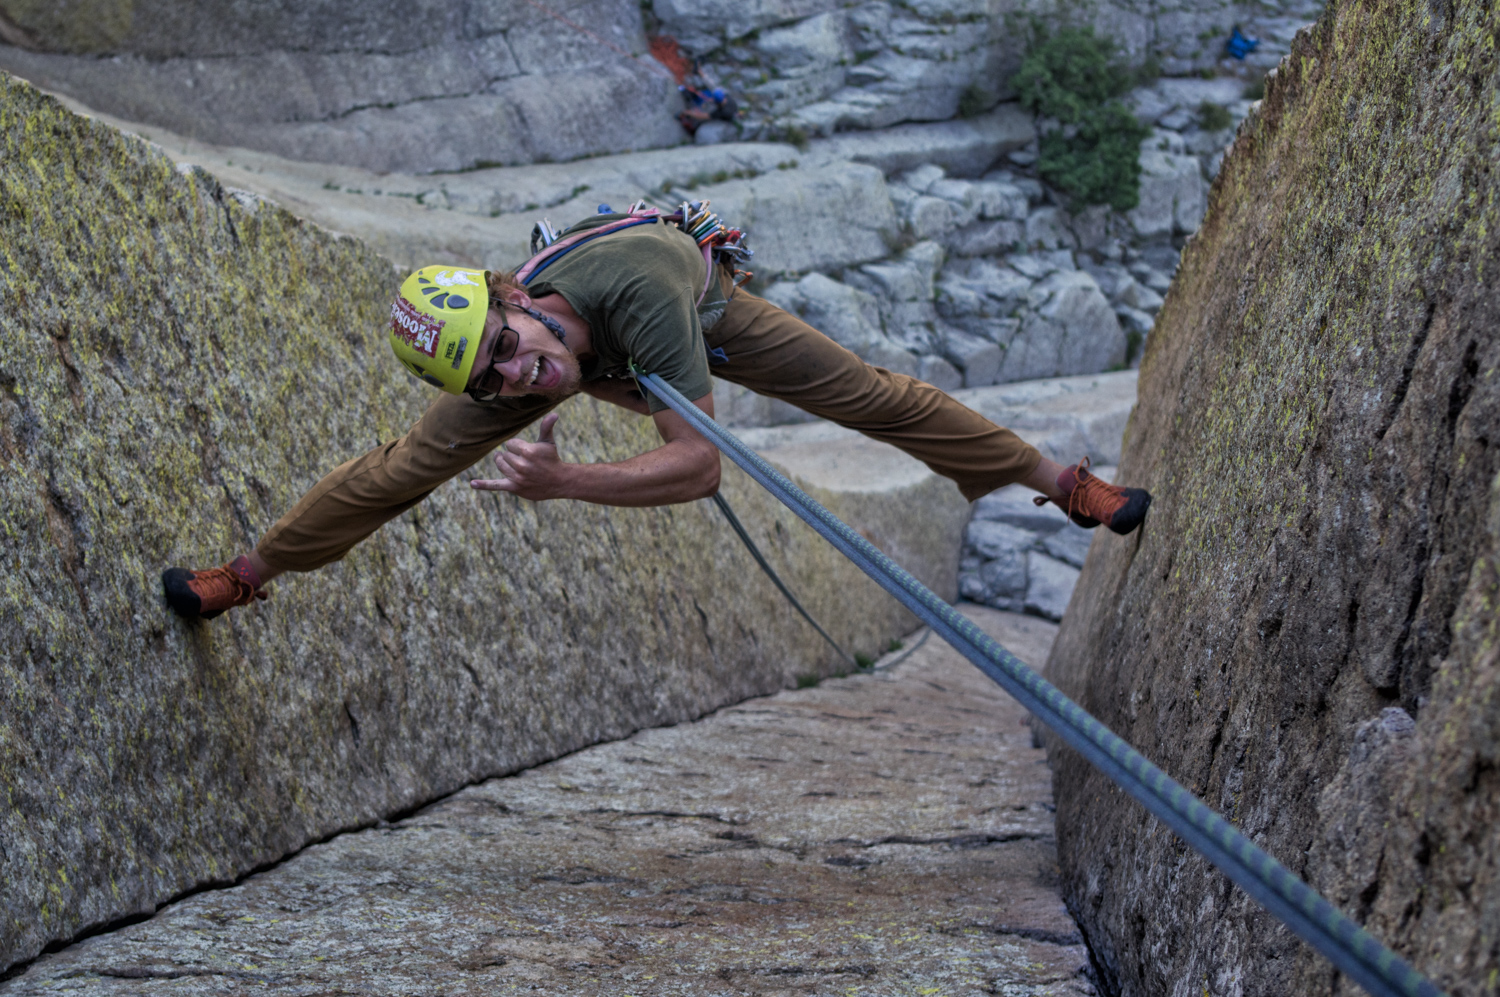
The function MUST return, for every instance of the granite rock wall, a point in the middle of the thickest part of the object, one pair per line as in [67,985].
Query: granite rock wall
[416,87]
[1304,632]
[182,361]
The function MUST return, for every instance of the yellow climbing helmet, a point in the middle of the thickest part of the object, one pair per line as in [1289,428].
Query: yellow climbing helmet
[436,323]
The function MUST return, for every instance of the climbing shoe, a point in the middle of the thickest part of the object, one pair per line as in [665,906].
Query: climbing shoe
[1089,500]
[205,594]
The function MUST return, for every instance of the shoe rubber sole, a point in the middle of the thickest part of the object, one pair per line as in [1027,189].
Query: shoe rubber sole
[181,597]
[1132,513]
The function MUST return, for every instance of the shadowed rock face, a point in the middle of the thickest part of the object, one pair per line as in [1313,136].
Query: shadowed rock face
[181,362]
[1318,415]
[416,87]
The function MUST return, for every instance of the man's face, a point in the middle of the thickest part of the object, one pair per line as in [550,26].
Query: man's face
[541,365]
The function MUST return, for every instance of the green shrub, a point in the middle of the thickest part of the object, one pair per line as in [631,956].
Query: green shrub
[1069,73]
[1214,117]
[1100,162]
[1256,89]
[975,101]
[1076,77]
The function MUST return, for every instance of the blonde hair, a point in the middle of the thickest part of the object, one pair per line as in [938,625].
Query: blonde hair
[502,282]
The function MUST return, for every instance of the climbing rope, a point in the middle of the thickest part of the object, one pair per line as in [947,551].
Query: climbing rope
[744,535]
[1348,946]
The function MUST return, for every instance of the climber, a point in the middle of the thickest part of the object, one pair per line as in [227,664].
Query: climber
[506,353]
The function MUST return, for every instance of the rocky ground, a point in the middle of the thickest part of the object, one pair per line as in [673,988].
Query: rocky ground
[886,833]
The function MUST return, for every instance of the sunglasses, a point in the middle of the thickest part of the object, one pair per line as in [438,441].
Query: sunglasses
[490,382]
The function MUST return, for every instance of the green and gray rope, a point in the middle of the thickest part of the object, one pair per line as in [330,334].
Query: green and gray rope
[744,535]
[1348,946]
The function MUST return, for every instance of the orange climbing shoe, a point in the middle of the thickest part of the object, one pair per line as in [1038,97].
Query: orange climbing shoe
[1090,501]
[206,594]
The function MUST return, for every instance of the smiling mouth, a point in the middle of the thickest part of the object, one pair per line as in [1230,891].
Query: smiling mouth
[530,378]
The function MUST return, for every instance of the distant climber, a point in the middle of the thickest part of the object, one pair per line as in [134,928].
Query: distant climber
[505,353]
[1239,45]
[703,100]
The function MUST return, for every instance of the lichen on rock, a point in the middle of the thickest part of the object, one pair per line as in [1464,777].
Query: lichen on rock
[1317,419]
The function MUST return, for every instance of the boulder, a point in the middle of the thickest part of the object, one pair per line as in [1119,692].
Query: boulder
[1049,585]
[965,148]
[977,357]
[939,373]
[1070,544]
[1318,415]
[1070,329]
[929,217]
[984,238]
[1005,579]
[816,44]
[1173,194]
[1013,506]
[1048,228]
[904,287]
[992,539]
[812,218]
[960,194]
[704,25]
[186,361]
[995,199]
[1065,418]
[848,316]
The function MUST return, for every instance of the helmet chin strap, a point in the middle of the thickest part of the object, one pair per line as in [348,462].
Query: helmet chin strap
[552,324]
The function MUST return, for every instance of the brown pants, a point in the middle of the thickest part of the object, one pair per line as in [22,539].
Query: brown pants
[771,352]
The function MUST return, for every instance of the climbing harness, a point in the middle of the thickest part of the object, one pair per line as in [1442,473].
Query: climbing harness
[719,243]
[1349,947]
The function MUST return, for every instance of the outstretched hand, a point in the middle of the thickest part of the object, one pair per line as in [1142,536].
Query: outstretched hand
[530,470]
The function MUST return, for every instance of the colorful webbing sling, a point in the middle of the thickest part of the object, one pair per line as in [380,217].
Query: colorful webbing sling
[720,243]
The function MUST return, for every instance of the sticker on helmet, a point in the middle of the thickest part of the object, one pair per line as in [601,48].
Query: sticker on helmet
[451,278]
[418,331]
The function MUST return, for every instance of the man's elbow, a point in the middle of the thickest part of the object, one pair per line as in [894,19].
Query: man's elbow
[707,480]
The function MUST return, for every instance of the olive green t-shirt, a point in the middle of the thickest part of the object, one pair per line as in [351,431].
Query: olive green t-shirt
[638,291]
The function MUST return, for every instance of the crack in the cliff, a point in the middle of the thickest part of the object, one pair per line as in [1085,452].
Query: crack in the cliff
[861,969]
[1074,937]
[1463,388]
[703,617]
[979,840]
[117,924]
[1408,368]
[151,973]
[60,335]
[677,814]
[65,529]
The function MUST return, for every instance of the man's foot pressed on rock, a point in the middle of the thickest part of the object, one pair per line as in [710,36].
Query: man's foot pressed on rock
[1089,500]
[206,594]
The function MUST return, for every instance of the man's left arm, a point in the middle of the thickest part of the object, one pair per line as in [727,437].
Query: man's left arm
[685,467]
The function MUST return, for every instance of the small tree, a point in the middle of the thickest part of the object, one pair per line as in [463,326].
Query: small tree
[1093,152]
